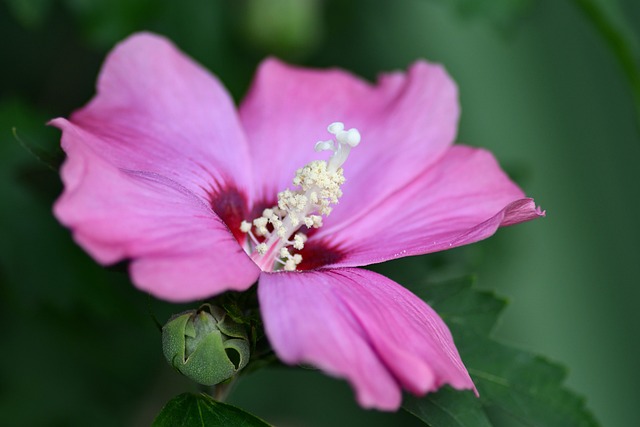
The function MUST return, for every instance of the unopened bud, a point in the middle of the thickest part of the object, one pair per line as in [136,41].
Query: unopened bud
[205,345]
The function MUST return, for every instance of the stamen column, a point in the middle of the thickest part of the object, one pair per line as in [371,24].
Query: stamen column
[319,184]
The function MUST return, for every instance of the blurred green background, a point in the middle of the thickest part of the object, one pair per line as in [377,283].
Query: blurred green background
[540,87]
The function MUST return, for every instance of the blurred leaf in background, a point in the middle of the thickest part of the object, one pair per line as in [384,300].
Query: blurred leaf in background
[290,29]
[29,13]
[503,14]
[615,28]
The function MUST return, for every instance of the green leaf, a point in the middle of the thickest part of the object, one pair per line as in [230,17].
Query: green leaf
[448,407]
[189,409]
[526,386]
[516,387]
[462,307]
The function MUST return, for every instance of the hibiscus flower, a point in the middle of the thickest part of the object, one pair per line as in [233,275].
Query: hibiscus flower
[164,172]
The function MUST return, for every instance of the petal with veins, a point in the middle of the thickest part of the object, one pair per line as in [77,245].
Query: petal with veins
[461,199]
[158,111]
[179,248]
[362,326]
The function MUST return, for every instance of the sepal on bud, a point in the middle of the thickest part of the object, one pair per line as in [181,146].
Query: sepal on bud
[205,345]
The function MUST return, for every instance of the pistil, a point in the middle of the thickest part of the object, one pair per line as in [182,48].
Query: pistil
[275,233]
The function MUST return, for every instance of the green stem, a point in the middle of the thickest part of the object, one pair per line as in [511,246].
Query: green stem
[222,390]
[207,389]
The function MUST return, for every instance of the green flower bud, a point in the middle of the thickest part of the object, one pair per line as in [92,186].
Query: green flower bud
[205,345]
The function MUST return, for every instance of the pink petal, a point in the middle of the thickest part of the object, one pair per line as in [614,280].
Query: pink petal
[180,249]
[461,199]
[158,111]
[360,325]
[406,120]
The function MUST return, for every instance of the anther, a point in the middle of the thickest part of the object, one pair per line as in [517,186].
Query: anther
[262,248]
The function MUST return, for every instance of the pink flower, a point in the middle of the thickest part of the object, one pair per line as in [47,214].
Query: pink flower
[162,171]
